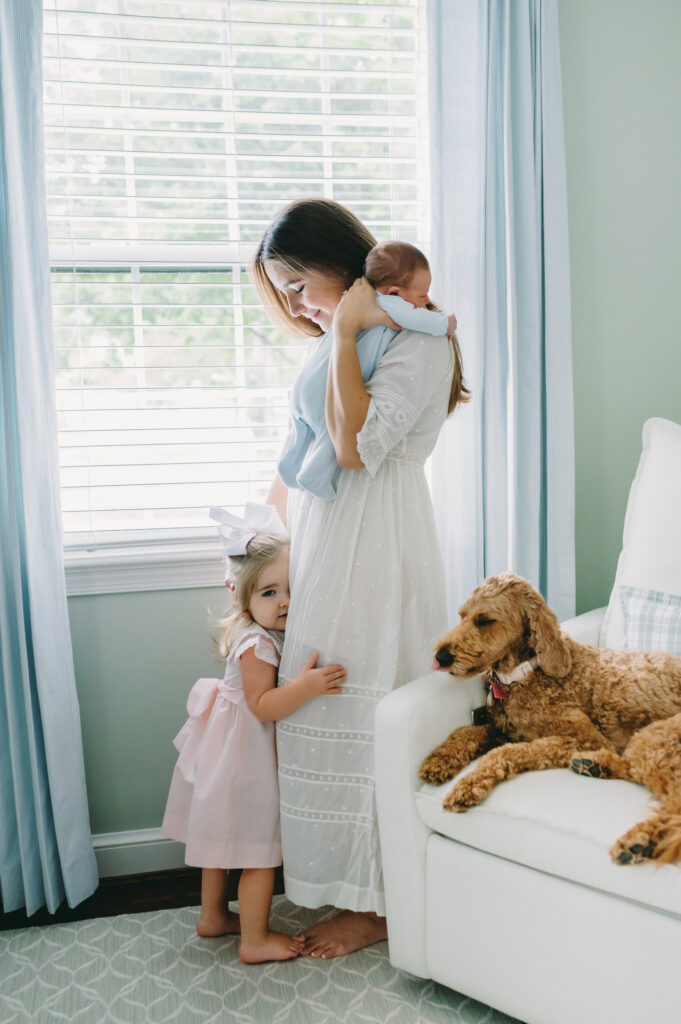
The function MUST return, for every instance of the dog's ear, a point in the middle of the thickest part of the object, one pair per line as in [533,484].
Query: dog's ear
[545,637]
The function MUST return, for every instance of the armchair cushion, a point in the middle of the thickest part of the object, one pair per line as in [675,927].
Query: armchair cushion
[587,627]
[562,824]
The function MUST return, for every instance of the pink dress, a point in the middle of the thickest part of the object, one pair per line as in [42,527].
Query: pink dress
[224,796]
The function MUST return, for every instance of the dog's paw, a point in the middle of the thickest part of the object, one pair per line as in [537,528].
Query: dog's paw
[587,766]
[639,843]
[600,764]
[635,853]
[450,805]
[435,770]
[462,796]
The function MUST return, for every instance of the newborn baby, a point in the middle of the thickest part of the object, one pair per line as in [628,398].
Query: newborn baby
[401,276]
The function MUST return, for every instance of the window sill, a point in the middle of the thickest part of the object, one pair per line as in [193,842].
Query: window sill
[131,569]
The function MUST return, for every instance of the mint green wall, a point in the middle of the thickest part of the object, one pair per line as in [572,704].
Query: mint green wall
[136,655]
[622,103]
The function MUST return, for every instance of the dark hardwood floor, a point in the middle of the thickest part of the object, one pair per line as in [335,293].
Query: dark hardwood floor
[130,894]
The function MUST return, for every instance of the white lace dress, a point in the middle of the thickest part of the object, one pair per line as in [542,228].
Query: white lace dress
[367,591]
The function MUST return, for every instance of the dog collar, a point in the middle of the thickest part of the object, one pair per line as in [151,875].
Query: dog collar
[499,680]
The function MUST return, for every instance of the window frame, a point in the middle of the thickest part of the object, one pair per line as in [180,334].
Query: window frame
[129,568]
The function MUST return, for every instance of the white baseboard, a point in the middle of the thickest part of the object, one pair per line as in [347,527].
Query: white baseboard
[133,853]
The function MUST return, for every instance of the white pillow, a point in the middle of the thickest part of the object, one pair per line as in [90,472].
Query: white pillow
[651,547]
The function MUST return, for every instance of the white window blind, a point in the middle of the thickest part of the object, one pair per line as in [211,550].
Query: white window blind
[174,130]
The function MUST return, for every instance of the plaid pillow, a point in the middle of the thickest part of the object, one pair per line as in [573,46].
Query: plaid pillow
[652,620]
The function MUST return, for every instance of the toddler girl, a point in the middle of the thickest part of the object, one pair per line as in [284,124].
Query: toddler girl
[224,796]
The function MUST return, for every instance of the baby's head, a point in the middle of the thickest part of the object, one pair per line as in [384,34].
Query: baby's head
[399,268]
[259,584]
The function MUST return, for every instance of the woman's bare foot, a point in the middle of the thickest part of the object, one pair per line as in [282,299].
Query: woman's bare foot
[224,922]
[343,934]
[273,946]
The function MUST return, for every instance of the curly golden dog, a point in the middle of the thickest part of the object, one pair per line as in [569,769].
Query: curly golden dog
[556,703]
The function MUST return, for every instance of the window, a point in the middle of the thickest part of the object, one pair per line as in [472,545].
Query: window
[174,129]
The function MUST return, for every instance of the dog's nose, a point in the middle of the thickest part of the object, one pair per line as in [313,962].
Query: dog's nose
[444,657]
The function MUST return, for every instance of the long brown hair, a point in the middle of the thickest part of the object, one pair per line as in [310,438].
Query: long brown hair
[322,235]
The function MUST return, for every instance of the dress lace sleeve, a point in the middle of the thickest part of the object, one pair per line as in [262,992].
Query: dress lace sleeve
[406,379]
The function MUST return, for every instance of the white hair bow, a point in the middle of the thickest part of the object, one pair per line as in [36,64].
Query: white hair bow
[236,532]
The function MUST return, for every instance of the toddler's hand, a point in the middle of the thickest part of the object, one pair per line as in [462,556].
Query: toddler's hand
[319,681]
[451,325]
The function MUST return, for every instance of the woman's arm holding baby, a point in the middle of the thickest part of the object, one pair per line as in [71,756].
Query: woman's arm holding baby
[268,702]
[347,399]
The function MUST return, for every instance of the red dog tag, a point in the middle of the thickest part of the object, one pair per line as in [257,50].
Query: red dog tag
[498,690]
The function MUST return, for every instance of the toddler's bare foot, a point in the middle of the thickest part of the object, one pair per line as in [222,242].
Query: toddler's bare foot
[343,934]
[273,946]
[209,926]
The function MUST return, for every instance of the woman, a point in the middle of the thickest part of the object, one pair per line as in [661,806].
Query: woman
[367,586]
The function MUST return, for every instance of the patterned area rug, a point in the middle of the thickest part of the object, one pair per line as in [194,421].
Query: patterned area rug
[149,968]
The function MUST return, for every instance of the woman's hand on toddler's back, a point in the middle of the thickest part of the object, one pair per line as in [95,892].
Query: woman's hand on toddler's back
[451,325]
[317,682]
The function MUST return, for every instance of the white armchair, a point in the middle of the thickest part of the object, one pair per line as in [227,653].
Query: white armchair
[517,903]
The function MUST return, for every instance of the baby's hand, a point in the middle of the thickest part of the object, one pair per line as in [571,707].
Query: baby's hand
[319,681]
[451,325]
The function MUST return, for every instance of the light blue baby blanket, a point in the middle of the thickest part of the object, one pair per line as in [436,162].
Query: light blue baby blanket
[308,460]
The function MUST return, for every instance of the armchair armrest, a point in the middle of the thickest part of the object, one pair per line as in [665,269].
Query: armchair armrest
[586,628]
[410,722]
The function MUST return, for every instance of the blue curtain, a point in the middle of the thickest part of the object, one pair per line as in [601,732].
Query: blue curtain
[503,471]
[45,848]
